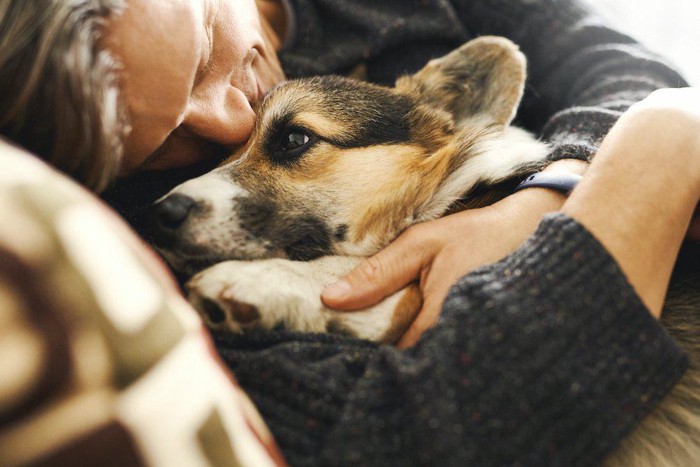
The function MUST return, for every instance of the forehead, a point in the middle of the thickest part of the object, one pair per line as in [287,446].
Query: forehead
[347,112]
[156,44]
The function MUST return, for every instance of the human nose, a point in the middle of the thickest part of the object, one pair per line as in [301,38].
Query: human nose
[225,117]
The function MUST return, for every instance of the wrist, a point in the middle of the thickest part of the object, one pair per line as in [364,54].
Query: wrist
[527,207]
[574,166]
[538,201]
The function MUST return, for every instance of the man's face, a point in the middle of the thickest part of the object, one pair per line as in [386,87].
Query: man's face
[192,74]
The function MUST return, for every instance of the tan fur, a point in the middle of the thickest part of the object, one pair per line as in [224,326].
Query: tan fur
[404,314]
[500,58]
[432,127]
[391,209]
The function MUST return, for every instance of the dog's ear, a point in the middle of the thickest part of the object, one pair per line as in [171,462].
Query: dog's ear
[483,78]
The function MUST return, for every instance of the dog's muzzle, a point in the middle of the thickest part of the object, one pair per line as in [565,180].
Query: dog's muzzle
[167,215]
[199,224]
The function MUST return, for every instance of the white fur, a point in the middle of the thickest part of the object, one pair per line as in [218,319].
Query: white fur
[494,161]
[288,293]
[215,228]
[215,187]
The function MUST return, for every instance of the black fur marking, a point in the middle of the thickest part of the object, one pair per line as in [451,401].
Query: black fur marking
[370,114]
[334,326]
[484,194]
[302,236]
[376,114]
[255,214]
[341,233]
[311,239]
[278,125]
[213,311]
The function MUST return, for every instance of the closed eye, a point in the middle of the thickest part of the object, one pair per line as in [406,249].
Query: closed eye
[292,143]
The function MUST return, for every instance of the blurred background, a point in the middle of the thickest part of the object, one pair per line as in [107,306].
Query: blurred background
[669,27]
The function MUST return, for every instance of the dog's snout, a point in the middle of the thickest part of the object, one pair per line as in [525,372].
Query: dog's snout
[166,216]
[170,213]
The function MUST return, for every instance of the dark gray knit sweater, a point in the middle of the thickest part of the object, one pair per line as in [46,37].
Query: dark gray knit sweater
[546,358]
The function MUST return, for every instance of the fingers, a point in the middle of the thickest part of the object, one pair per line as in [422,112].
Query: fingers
[379,276]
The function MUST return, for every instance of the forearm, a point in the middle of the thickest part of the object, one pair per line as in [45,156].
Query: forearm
[637,206]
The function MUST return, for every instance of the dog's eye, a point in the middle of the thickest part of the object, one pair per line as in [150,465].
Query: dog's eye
[294,140]
[292,144]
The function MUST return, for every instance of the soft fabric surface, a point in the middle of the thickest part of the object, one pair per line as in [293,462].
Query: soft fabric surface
[102,362]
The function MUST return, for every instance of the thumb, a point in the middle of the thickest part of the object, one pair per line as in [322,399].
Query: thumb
[377,276]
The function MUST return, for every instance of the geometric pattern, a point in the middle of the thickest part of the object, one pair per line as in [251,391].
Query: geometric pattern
[102,361]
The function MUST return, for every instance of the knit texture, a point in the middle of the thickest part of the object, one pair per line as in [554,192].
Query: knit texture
[545,358]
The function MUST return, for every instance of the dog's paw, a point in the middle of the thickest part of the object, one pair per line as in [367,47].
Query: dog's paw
[238,296]
[222,309]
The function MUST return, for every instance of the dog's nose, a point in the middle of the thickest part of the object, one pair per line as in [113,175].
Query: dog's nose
[170,213]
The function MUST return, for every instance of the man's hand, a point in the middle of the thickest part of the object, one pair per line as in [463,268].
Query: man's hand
[438,253]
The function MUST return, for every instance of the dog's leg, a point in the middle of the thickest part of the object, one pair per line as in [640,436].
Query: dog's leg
[237,296]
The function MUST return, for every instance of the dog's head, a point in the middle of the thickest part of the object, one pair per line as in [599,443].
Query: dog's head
[337,166]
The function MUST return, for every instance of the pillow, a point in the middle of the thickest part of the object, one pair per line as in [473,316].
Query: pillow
[102,362]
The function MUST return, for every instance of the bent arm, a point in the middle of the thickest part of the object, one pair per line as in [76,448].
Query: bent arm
[637,206]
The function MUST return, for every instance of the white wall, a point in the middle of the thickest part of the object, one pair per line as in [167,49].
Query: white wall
[670,27]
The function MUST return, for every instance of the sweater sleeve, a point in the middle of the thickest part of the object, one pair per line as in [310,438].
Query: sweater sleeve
[582,73]
[545,358]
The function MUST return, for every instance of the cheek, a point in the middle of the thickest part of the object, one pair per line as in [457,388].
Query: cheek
[156,69]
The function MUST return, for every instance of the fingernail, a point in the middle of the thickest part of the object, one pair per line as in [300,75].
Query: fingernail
[337,291]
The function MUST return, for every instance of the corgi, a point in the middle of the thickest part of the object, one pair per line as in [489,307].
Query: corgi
[335,170]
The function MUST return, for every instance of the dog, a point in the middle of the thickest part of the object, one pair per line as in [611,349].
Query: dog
[337,168]
[334,170]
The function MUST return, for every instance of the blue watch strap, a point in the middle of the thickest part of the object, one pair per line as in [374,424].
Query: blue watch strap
[560,181]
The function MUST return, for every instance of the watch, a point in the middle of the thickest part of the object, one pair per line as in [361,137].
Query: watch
[560,181]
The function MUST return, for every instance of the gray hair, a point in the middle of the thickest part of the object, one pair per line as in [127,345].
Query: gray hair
[58,93]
